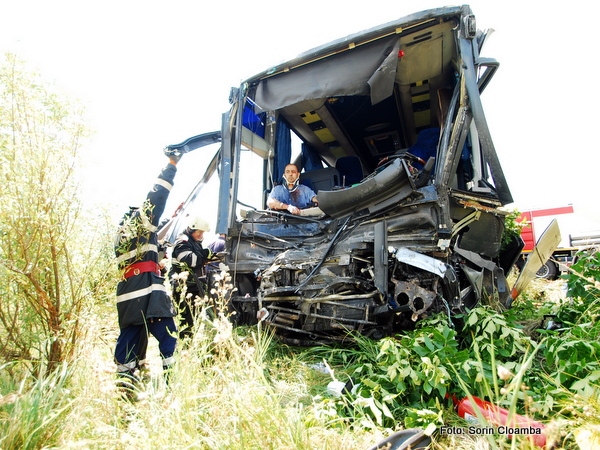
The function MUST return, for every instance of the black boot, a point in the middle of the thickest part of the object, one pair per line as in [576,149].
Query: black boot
[167,374]
[144,372]
[128,385]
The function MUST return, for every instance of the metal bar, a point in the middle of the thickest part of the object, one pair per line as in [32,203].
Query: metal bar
[320,316]
[295,298]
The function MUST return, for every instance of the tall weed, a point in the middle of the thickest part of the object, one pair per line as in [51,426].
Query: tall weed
[230,389]
[33,411]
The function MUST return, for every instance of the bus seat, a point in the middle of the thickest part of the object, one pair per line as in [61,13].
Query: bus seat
[321,179]
[350,170]
[426,145]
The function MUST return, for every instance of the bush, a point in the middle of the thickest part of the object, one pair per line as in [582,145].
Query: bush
[50,256]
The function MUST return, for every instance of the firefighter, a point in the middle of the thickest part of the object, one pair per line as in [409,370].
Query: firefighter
[143,304]
[187,274]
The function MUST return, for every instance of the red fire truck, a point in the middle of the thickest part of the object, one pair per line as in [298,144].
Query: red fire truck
[574,237]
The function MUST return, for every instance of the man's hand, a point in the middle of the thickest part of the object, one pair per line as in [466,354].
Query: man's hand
[173,155]
[294,210]
[174,158]
[213,256]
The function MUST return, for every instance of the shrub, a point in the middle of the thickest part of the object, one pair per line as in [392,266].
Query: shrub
[49,253]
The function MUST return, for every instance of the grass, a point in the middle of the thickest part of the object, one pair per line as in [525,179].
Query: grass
[239,389]
[34,410]
[227,391]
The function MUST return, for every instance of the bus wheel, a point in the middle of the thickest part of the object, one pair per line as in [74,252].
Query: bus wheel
[548,271]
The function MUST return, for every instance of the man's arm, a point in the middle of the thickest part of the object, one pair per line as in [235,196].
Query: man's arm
[156,199]
[274,201]
[276,204]
[185,253]
[313,196]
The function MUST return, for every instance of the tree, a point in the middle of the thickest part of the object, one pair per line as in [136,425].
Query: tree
[48,260]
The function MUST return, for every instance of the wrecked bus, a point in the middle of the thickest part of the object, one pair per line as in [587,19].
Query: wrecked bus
[387,127]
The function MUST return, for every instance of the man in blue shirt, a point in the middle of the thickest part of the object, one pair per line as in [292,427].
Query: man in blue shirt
[291,195]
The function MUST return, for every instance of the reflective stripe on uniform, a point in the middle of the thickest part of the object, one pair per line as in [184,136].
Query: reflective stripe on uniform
[126,367]
[141,292]
[187,253]
[147,223]
[168,361]
[141,249]
[168,186]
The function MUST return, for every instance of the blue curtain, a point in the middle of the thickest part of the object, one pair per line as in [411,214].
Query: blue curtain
[253,118]
[283,149]
[310,158]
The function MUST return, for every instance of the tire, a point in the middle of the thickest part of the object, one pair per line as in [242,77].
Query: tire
[548,271]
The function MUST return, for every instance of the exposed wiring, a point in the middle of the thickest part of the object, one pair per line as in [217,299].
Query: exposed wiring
[331,244]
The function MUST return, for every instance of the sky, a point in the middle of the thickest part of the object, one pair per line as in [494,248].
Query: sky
[155,73]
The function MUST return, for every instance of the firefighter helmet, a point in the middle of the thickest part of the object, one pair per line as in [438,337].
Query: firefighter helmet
[198,223]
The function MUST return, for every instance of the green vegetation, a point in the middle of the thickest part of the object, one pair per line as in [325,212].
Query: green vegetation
[49,260]
[240,388]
